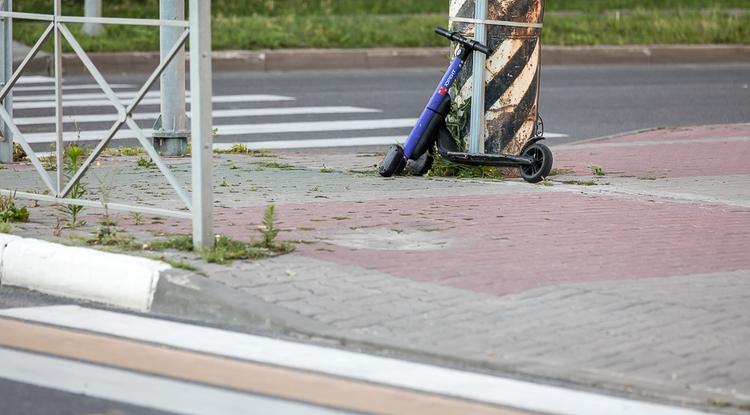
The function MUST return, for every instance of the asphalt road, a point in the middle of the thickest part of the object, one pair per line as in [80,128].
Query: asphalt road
[349,108]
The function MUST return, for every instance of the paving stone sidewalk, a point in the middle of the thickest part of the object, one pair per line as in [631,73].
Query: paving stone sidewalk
[637,281]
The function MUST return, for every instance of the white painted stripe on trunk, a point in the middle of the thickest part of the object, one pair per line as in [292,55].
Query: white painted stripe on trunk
[73,87]
[140,390]
[243,129]
[219,99]
[513,96]
[243,112]
[380,370]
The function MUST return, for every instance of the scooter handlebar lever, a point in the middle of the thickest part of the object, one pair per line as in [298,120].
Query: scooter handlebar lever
[470,43]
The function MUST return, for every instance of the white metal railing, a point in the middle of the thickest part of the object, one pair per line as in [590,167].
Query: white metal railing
[198,31]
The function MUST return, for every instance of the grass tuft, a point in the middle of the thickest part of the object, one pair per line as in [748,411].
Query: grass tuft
[182,243]
[243,149]
[597,170]
[9,212]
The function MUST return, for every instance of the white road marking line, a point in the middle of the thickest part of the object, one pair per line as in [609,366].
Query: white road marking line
[321,143]
[243,112]
[73,87]
[317,143]
[380,370]
[81,97]
[301,127]
[242,129]
[35,80]
[136,389]
[219,99]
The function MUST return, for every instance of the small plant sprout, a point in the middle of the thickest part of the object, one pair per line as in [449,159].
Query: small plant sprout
[73,160]
[137,219]
[145,162]
[270,232]
[9,212]
[597,170]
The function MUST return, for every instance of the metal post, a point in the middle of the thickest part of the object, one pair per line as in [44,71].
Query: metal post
[6,70]
[59,126]
[93,8]
[476,144]
[170,137]
[201,107]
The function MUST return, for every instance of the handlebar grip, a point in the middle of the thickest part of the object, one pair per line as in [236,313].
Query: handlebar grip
[444,32]
[470,43]
[484,49]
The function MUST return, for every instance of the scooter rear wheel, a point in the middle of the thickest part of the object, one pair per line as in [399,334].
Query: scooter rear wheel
[393,163]
[422,165]
[541,166]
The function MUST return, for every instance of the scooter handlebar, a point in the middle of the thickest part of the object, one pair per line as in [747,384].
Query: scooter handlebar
[470,43]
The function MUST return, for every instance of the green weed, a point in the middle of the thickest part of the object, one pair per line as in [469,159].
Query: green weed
[175,263]
[182,243]
[243,149]
[597,170]
[6,227]
[109,237]
[18,153]
[560,172]
[581,182]
[9,212]
[72,161]
[124,152]
[274,165]
[145,162]
[226,249]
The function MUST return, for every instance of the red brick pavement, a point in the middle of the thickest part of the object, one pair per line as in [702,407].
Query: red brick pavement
[509,244]
[689,159]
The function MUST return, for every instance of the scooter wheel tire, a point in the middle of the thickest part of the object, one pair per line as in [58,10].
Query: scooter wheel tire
[393,163]
[422,165]
[541,166]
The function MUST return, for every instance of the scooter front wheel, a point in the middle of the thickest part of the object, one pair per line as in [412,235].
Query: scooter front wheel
[393,163]
[541,165]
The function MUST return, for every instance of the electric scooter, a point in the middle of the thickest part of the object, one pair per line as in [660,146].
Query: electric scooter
[535,161]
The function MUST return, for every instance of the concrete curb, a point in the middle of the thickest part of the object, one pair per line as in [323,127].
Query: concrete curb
[79,273]
[384,58]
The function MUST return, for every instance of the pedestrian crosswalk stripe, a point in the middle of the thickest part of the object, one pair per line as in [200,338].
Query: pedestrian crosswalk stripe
[35,80]
[218,99]
[241,129]
[74,87]
[320,143]
[380,370]
[230,113]
[80,97]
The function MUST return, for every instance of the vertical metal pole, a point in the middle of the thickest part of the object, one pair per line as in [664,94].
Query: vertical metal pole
[171,135]
[201,107]
[6,70]
[476,143]
[93,8]
[59,145]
